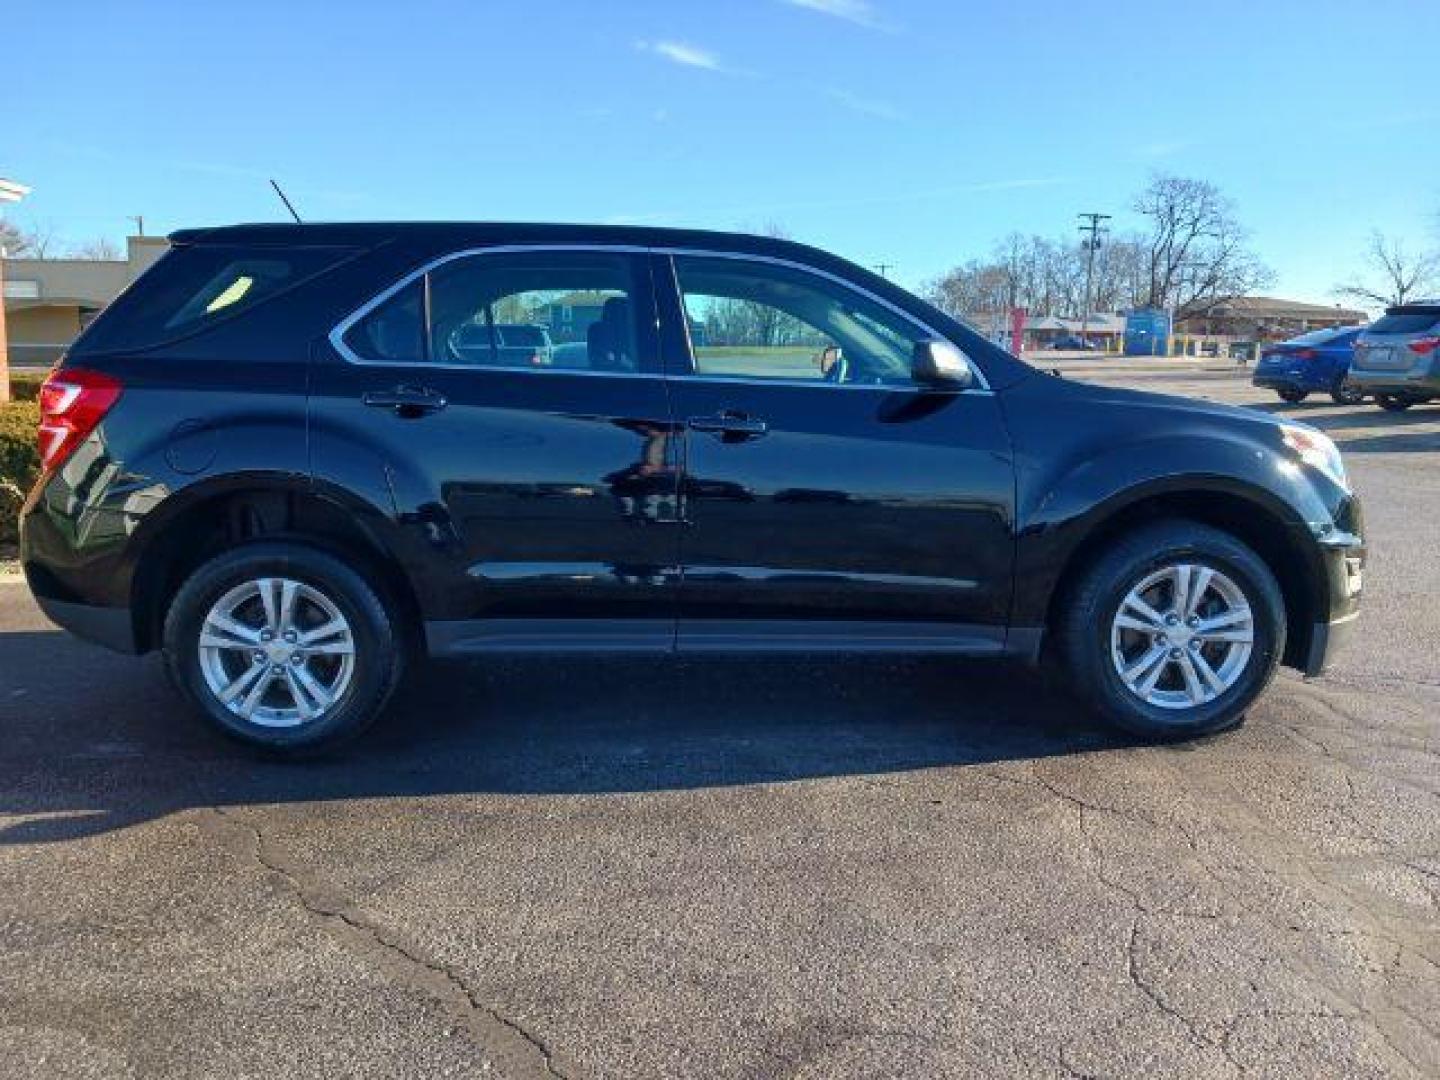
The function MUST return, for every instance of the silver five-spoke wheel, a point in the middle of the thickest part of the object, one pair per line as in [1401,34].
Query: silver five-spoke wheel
[276,652]
[1182,636]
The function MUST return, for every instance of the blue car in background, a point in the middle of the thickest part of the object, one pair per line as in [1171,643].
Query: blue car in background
[1311,363]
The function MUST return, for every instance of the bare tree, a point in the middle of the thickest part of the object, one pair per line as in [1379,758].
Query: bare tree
[1396,274]
[1044,276]
[1197,252]
[21,243]
[101,247]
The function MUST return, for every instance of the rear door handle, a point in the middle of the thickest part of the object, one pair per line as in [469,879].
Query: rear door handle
[729,425]
[406,401]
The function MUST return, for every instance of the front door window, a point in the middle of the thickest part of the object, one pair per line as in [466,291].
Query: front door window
[756,320]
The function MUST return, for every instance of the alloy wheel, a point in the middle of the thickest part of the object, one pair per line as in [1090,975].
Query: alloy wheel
[276,652]
[1182,636]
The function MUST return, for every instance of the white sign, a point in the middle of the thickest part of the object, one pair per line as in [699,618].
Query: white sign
[22,289]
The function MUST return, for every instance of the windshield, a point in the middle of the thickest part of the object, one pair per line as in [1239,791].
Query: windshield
[1323,337]
[1406,321]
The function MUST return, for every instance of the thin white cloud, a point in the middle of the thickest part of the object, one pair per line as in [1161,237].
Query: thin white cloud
[1163,148]
[677,52]
[880,110]
[859,12]
[755,210]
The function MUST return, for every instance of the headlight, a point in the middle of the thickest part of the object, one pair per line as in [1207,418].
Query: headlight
[1316,449]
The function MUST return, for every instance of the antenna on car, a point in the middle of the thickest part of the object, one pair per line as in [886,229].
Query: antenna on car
[285,201]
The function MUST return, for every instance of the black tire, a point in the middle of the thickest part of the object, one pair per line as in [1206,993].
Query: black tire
[1294,397]
[1092,600]
[378,651]
[1393,402]
[1345,392]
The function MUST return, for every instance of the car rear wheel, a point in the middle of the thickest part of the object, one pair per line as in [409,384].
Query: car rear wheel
[282,647]
[1393,402]
[1345,392]
[1293,396]
[1173,631]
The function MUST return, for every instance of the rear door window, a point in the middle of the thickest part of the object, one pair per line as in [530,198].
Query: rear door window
[193,288]
[574,310]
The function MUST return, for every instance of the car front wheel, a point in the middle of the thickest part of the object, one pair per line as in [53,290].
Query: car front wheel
[1294,397]
[1173,631]
[283,647]
[1393,402]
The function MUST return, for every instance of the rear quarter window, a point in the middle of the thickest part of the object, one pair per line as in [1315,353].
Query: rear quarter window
[194,288]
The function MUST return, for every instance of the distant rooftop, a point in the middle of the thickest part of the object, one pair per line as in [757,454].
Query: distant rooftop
[1263,307]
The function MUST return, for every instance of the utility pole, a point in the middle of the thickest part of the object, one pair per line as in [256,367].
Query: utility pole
[1091,244]
[139,220]
[883,269]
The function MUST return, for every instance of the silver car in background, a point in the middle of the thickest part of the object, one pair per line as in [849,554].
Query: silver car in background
[1397,358]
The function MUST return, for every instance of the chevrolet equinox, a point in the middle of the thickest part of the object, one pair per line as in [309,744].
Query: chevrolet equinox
[295,458]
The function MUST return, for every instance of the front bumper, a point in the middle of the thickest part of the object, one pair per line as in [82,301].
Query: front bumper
[1343,555]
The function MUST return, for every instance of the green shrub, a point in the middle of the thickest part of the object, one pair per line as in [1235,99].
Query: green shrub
[25,385]
[19,462]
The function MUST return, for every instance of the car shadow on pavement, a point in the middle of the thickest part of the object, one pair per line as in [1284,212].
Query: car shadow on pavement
[118,747]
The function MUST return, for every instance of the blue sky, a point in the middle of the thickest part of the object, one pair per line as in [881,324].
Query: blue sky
[899,131]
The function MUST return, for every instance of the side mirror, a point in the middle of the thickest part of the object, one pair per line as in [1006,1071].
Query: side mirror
[942,365]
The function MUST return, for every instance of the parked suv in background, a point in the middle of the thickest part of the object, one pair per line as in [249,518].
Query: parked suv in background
[1315,362]
[1398,357]
[506,345]
[280,459]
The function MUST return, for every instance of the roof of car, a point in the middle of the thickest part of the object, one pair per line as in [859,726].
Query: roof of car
[446,236]
[487,233]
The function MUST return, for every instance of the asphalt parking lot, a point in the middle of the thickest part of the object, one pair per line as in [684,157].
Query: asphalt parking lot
[733,868]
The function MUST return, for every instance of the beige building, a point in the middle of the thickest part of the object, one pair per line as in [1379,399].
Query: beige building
[1267,318]
[49,301]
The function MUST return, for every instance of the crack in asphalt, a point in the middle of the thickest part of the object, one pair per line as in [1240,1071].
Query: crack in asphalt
[1363,1013]
[434,977]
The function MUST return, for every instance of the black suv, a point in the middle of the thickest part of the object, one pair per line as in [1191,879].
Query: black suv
[295,458]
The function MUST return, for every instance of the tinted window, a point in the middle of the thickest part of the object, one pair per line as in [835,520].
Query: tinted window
[759,320]
[193,288]
[1405,321]
[562,309]
[394,333]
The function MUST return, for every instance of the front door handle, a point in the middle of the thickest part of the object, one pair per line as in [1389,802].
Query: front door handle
[730,425]
[408,402]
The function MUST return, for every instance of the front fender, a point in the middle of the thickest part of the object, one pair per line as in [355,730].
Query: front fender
[1079,476]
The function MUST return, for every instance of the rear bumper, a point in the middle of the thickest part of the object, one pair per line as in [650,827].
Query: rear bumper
[110,627]
[1281,381]
[1403,384]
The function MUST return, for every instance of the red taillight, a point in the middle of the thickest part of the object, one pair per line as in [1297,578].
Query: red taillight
[72,403]
[1425,345]
[1304,354]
